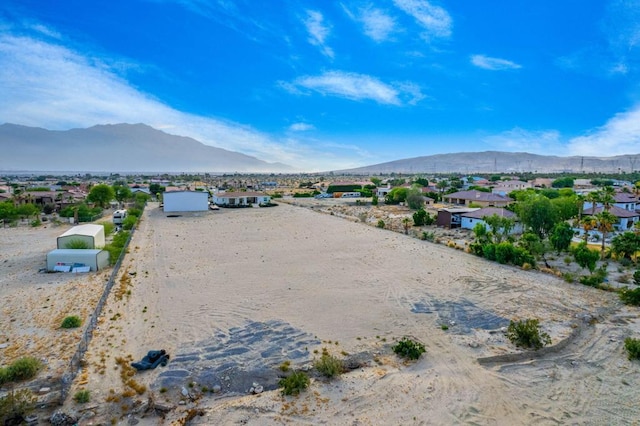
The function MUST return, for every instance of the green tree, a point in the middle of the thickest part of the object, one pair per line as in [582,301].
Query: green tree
[420,217]
[406,223]
[625,245]
[585,257]
[564,182]
[565,207]
[8,212]
[532,243]
[537,214]
[122,192]
[442,185]
[499,227]
[374,200]
[376,181]
[396,196]
[561,236]
[604,224]
[101,195]
[414,198]
[27,210]
[421,181]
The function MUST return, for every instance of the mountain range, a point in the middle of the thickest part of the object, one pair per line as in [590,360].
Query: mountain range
[118,148]
[141,148]
[502,162]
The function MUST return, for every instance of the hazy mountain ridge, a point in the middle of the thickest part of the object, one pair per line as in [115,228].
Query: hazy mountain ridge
[116,148]
[502,162]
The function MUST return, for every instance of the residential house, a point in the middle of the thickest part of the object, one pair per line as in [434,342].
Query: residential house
[479,198]
[469,220]
[452,217]
[505,187]
[626,218]
[238,199]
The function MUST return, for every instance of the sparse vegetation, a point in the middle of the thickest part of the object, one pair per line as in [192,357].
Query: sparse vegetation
[72,321]
[408,348]
[633,348]
[82,396]
[329,365]
[527,334]
[295,383]
[15,406]
[21,369]
[380,224]
[630,297]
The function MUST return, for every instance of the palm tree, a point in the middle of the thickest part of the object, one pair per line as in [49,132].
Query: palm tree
[604,224]
[442,185]
[588,223]
[607,197]
[405,223]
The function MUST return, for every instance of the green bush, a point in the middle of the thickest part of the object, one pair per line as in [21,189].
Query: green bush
[108,228]
[633,348]
[35,223]
[630,297]
[77,245]
[15,406]
[526,333]
[294,383]
[329,365]
[408,348]
[21,369]
[129,222]
[381,224]
[636,277]
[135,212]
[82,396]
[73,321]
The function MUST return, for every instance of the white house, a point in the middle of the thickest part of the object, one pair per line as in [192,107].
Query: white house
[469,220]
[235,199]
[185,201]
[91,234]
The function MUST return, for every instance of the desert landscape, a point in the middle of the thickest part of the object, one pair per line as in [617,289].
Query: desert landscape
[233,294]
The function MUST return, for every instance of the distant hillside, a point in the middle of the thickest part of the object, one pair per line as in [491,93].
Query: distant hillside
[117,148]
[502,162]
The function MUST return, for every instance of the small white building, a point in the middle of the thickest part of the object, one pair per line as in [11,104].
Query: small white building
[185,201]
[240,198]
[91,234]
[70,260]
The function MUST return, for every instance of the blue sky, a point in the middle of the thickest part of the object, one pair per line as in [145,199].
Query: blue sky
[324,85]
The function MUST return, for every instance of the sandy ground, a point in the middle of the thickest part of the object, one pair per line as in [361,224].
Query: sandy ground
[232,294]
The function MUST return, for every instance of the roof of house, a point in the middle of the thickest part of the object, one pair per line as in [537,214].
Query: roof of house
[625,197]
[614,210]
[474,195]
[489,211]
[240,194]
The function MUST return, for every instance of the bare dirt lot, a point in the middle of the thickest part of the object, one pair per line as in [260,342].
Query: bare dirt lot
[232,294]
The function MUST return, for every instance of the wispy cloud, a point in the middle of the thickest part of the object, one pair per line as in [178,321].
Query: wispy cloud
[301,127]
[493,64]
[620,135]
[435,20]
[546,142]
[49,85]
[357,87]
[376,23]
[318,31]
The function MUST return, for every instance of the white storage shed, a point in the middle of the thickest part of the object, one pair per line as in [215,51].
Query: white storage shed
[91,234]
[71,260]
[185,201]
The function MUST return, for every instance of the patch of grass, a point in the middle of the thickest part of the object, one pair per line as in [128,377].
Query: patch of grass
[630,297]
[286,365]
[72,321]
[82,396]
[408,348]
[526,333]
[295,383]
[329,365]
[21,369]
[444,327]
[633,348]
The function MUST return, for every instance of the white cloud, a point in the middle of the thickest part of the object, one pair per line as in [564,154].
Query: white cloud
[546,142]
[376,24]
[494,64]
[51,86]
[620,135]
[301,127]
[434,19]
[352,86]
[318,31]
